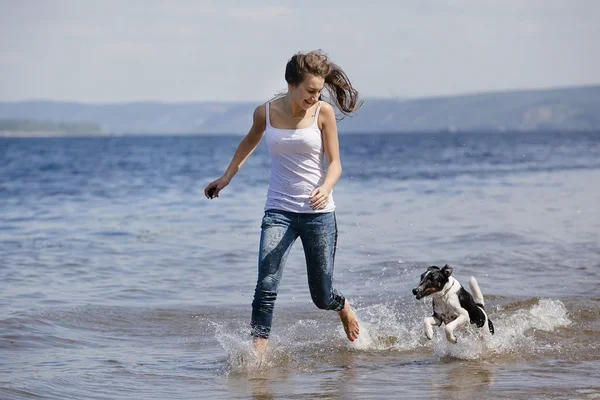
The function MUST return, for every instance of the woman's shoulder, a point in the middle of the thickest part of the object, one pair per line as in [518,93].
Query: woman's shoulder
[260,111]
[326,112]
[326,107]
[259,118]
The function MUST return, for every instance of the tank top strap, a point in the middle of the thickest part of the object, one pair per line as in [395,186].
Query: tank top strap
[316,121]
[267,104]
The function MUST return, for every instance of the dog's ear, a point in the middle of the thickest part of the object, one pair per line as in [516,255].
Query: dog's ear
[447,270]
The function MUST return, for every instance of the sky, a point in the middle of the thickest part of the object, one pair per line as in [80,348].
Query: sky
[223,50]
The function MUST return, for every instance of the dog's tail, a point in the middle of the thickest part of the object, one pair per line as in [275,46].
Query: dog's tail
[477,296]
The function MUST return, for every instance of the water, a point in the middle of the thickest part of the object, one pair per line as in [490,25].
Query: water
[119,280]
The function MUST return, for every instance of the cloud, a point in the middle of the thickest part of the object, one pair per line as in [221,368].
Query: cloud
[11,58]
[258,13]
[230,50]
[179,31]
[79,30]
[186,11]
[528,28]
[129,48]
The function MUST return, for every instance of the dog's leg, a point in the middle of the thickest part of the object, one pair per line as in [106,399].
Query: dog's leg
[461,320]
[429,323]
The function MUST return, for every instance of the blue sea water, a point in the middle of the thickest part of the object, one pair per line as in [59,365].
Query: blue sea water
[120,280]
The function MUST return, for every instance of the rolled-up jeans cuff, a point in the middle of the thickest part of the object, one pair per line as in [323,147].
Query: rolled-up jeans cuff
[341,302]
[261,332]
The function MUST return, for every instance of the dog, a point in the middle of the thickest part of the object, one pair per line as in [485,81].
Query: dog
[452,304]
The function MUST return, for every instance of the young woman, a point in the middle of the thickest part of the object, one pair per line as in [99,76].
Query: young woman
[300,130]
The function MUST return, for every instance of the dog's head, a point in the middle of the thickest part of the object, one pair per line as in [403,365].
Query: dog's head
[433,280]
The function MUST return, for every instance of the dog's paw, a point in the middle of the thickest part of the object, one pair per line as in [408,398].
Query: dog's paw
[450,336]
[429,332]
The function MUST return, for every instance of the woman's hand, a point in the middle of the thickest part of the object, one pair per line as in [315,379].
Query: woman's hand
[213,188]
[320,197]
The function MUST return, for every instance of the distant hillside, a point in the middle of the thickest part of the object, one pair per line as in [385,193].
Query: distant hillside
[527,110]
[36,128]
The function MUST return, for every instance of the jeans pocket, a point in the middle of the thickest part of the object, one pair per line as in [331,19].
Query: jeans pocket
[322,224]
[274,218]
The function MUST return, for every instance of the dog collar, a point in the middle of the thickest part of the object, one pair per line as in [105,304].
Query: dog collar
[446,292]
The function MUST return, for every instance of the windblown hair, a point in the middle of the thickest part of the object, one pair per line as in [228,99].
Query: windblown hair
[344,96]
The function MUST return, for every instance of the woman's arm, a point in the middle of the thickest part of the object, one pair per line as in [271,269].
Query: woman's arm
[245,148]
[328,125]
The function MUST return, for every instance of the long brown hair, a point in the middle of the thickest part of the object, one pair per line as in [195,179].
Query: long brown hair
[344,96]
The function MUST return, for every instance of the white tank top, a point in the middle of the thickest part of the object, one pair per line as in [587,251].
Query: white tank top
[297,166]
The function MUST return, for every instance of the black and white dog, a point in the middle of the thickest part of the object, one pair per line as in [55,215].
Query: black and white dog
[452,304]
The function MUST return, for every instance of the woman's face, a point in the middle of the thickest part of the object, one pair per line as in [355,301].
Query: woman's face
[307,93]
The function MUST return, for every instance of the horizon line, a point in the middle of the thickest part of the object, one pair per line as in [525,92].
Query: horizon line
[397,98]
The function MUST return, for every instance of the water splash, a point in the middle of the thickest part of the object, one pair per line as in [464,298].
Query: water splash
[515,333]
[238,345]
[397,327]
[384,327]
[298,344]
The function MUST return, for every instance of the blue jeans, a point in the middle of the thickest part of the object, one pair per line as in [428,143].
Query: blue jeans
[280,229]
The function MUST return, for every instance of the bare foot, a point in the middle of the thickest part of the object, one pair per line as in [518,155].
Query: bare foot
[350,321]
[260,345]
